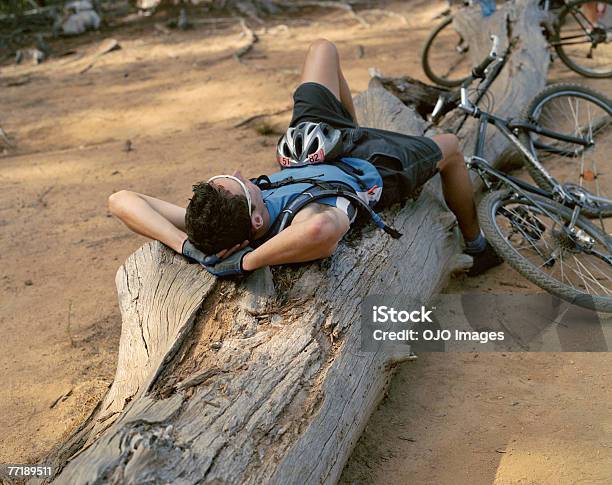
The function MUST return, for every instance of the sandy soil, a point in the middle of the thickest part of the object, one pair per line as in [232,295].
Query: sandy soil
[491,418]
[176,98]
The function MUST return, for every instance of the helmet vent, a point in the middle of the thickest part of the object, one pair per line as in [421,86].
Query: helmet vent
[301,142]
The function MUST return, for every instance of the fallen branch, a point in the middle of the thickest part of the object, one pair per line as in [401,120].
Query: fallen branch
[246,121]
[422,97]
[387,13]
[69,325]
[61,398]
[105,47]
[253,39]
[162,28]
[250,11]
[216,20]
[4,137]
[17,82]
[339,5]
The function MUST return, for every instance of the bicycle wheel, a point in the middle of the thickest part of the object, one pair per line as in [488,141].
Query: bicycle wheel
[530,238]
[574,110]
[583,46]
[445,57]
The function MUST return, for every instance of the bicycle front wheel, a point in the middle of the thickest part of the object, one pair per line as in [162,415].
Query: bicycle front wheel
[532,238]
[445,58]
[573,110]
[583,37]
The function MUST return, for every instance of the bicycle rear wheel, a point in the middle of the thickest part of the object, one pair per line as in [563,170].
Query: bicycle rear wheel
[445,57]
[583,46]
[530,237]
[574,110]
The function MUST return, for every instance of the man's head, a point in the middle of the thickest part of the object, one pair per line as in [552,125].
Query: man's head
[219,215]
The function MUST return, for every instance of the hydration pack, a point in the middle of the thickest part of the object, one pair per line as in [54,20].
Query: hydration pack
[318,190]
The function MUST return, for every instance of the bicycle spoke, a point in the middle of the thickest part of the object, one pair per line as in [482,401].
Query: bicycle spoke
[606,290]
[545,242]
[606,276]
[590,288]
[582,115]
[561,265]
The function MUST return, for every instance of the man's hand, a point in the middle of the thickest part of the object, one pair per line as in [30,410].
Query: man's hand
[225,263]
[229,265]
[195,255]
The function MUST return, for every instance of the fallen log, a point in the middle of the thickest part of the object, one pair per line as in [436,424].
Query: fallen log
[259,382]
[263,381]
[412,92]
[517,24]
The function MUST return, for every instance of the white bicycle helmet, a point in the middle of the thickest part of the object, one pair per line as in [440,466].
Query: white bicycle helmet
[308,143]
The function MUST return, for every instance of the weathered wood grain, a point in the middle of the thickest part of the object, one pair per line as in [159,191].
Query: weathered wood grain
[412,92]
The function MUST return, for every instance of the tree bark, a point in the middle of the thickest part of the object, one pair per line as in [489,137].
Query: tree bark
[517,25]
[263,381]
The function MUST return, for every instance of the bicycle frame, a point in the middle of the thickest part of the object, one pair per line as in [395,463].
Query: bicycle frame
[487,71]
[508,128]
[523,189]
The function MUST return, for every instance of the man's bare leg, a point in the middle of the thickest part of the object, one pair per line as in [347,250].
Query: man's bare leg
[457,186]
[458,193]
[322,65]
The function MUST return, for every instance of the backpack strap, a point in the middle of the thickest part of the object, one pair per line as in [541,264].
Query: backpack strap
[322,190]
[264,183]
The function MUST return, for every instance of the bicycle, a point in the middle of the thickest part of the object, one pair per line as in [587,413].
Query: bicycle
[542,232]
[584,47]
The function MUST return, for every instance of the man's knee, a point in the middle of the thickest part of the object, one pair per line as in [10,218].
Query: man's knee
[118,201]
[322,45]
[449,146]
[448,143]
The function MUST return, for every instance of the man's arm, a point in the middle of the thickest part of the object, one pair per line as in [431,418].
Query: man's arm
[313,234]
[150,217]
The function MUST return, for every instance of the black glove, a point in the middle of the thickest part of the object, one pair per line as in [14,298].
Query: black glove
[230,266]
[194,255]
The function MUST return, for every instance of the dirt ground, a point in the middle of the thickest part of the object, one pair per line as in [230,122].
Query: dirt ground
[158,115]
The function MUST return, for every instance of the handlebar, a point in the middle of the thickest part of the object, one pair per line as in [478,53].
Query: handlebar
[479,71]
[447,103]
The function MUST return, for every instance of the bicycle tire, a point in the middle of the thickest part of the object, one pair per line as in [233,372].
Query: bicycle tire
[536,104]
[486,216]
[440,81]
[566,10]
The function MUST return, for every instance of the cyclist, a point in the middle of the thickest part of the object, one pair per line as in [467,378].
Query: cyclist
[236,218]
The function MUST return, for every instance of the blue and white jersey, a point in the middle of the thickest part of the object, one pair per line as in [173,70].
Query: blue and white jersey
[366,181]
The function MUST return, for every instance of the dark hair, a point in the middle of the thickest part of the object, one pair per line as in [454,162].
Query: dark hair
[216,219]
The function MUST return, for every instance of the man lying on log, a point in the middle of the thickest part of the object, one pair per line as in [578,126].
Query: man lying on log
[233,225]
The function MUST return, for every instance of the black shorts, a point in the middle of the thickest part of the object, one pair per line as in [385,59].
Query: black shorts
[401,178]
[314,102]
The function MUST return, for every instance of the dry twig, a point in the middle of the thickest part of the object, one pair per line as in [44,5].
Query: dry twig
[72,344]
[387,13]
[246,121]
[105,47]
[340,5]
[253,39]
[61,398]
[4,137]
